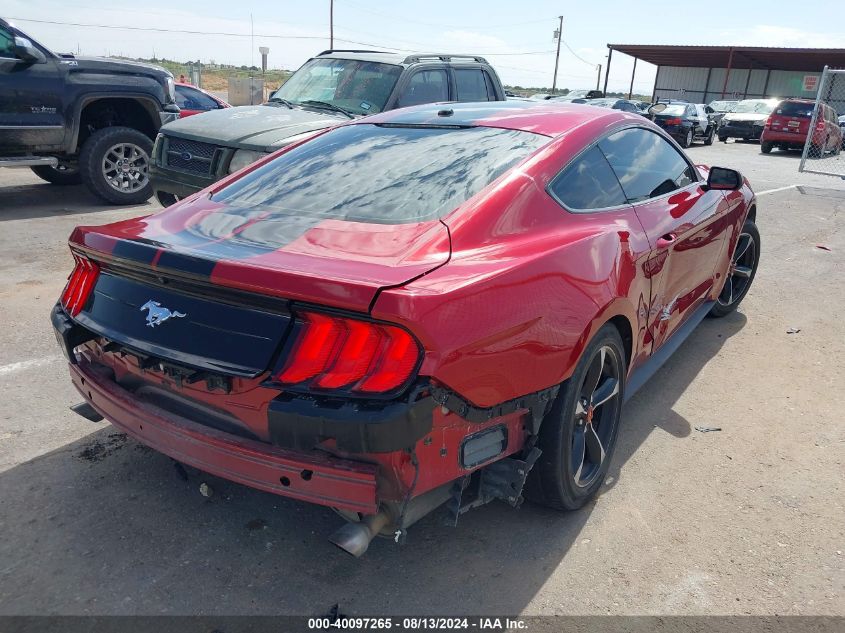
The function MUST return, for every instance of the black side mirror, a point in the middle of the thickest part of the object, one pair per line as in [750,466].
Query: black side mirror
[723,179]
[27,52]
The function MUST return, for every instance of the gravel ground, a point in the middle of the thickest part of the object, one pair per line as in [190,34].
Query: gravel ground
[748,520]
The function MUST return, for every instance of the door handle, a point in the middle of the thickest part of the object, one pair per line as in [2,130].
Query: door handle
[666,240]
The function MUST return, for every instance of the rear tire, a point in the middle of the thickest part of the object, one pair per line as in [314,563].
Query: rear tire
[766,148]
[740,276]
[114,163]
[723,139]
[578,435]
[687,140]
[61,174]
[708,140]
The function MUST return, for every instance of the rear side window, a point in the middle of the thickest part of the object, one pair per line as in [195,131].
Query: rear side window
[792,108]
[471,85]
[382,174]
[646,164]
[426,86]
[588,183]
[191,99]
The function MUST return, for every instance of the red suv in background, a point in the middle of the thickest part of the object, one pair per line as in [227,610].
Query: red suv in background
[788,126]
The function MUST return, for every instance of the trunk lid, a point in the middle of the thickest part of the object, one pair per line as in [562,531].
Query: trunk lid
[332,262]
[201,286]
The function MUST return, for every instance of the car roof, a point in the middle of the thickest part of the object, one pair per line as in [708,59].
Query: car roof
[541,117]
[399,59]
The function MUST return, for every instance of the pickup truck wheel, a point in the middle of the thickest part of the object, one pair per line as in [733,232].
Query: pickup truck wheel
[61,174]
[741,272]
[114,163]
[578,435]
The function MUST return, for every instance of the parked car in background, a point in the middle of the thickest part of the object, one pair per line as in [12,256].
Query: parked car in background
[192,100]
[320,326]
[616,104]
[687,122]
[83,120]
[788,127]
[842,129]
[333,87]
[746,120]
[572,95]
[720,109]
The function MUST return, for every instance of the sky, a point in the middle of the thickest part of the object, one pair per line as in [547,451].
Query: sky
[517,37]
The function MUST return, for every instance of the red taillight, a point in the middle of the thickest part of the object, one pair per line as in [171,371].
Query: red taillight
[337,352]
[769,123]
[672,122]
[79,285]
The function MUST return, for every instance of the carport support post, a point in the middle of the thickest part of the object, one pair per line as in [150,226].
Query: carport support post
[633,72]
[747,81]
[728,72]
[607,70]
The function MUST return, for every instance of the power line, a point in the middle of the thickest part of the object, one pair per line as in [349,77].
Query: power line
[232,34]
[576,54]
[402,18]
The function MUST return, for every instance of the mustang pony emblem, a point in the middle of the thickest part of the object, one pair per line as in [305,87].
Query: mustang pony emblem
[158,315]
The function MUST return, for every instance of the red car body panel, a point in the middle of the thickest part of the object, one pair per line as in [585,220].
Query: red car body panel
[503,294]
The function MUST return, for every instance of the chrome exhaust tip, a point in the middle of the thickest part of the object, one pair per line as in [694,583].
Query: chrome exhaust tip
[355,538]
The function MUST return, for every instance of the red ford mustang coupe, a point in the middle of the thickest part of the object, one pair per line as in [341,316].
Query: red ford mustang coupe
[436,306]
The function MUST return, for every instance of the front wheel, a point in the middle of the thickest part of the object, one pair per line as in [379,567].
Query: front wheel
[578,435]
[114,163]
[62,174]
[741,272]
[723,139]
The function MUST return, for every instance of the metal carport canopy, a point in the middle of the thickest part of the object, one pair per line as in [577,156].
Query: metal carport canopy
[772,58]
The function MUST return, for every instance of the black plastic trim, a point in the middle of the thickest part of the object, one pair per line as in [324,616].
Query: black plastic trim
[301,422]
[537,403]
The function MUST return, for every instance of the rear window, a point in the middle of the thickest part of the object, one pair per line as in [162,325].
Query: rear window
[382,174]
[676,109]
[793,108]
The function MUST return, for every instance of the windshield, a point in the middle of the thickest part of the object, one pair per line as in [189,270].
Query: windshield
[723,106]
[381,174]
[356,86]
[754,106]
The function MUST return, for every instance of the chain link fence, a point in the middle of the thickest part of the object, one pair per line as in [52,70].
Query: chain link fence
[823,147]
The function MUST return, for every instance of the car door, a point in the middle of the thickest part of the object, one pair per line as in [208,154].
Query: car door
[683,222]
[31,105]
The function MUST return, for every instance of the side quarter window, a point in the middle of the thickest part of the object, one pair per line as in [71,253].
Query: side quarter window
[470,84]
[425,86]
[7,44]
[587,183]
[647,165]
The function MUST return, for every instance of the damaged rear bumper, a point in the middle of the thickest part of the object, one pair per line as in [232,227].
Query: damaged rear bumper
[315,478]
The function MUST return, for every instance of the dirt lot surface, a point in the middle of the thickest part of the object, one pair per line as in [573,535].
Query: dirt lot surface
[747,520]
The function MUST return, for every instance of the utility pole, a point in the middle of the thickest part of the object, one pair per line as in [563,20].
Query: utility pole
[331,24]
[598,76]
[559,34]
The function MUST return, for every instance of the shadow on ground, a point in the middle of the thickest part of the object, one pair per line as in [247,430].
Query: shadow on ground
[107,526]
[42,200]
